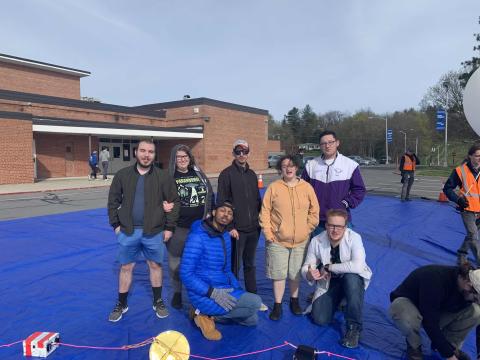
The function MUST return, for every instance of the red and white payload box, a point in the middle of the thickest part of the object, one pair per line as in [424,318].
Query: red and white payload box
[41,344]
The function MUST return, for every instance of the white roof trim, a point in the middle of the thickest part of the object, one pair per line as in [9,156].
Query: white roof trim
[37,65]
[117,132]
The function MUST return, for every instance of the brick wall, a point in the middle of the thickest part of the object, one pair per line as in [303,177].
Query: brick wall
[274,146]
[30,80]
[16,160]
[53,159]
[224,127]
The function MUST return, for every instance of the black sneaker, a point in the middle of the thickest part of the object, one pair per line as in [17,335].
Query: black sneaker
[295,306]
[351,338]
[160,309]
[117,312]
[414,353]
[276,312]
[177,300]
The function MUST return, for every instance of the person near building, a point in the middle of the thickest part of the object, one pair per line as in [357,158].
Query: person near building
[407,166]
[196,202]
[104,160]
[289,214]
[442,299]
[335,178]
[466,178]
[93,162]
[205,270]
[238,185]
[135,210]
[336,265]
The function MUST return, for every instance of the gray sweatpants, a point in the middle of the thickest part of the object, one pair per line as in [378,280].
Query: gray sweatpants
[455,326]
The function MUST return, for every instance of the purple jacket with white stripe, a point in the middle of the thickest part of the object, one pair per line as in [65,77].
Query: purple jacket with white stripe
[338,186]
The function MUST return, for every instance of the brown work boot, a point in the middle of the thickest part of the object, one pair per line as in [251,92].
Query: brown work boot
[207,326]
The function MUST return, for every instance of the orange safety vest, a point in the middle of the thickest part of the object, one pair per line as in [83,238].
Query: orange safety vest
[409,164]
[470,188]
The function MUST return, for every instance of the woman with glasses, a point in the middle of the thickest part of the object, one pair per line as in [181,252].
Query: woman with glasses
[289,214]
[196,202]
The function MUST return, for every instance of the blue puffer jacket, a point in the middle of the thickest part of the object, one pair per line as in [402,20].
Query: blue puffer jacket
[206,263]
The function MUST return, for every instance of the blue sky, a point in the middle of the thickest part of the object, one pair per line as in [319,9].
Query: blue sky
[341,55]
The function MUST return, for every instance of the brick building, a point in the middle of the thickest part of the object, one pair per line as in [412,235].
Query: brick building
[47,130]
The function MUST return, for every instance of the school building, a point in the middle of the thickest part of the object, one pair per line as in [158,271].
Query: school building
[48,130]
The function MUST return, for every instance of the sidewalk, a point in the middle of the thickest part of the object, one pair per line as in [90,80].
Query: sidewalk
[73,183]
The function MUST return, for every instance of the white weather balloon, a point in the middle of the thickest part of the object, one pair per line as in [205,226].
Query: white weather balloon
[471,101]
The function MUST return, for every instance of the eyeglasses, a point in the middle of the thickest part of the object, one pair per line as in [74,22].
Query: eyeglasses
[180,157]
[239,152]
[328,143]
[335,227]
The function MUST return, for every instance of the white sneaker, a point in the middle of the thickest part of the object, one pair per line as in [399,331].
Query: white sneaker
[263,307]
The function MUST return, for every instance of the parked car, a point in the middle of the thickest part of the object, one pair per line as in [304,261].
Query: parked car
[356,158]
[370,161]
[272,160]
[383,160]
[307,159]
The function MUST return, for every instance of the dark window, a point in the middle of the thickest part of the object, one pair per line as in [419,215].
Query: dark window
[117,141]
[104,140]
[134,141]
[126,141]
[116,152]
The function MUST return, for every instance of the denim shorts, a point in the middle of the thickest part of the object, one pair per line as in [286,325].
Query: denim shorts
[129,247]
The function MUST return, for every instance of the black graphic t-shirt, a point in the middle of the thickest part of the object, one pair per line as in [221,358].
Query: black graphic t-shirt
[192,193]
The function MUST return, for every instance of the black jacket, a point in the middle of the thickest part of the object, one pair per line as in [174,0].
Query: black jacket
[433,289]
[240,186]
[159,186]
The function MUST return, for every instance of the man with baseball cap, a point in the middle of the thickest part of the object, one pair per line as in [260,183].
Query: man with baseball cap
[238,184]
[442,299]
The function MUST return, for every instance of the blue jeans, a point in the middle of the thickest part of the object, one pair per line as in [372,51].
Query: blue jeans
[349,286]
[245,311]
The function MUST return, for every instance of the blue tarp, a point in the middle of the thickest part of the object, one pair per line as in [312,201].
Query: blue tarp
[58,273]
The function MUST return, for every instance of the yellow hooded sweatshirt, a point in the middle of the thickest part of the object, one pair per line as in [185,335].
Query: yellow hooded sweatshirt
[289,213]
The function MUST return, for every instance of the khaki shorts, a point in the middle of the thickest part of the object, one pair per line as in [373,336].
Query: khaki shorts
[282,261]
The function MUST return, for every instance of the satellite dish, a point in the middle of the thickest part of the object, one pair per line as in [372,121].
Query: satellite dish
[471,101]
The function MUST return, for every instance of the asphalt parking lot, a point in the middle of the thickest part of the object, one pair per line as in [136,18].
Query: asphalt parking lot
[379,180]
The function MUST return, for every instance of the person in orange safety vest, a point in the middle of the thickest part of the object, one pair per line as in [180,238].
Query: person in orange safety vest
[408,162]
[466,178]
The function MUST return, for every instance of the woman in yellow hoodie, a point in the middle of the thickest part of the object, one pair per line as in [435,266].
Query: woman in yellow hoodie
[290,212]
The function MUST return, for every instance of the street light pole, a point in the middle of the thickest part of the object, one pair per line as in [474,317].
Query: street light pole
[386,139]
[386,135]
[405,140]
[445,85]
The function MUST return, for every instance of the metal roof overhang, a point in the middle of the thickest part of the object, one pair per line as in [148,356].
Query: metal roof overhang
[186,133]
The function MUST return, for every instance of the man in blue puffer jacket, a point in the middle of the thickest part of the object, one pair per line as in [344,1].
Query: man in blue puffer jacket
[205,270]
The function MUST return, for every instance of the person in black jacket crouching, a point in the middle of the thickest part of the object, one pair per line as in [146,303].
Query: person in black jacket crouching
[442,299]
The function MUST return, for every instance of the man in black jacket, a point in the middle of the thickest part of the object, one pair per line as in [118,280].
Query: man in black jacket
[442,299]
[238,185]
[135,211]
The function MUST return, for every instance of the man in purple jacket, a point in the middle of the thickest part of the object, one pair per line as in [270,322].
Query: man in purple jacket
[335,178]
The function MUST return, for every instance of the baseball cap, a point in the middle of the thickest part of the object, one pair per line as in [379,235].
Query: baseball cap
[241,143]
[225,204]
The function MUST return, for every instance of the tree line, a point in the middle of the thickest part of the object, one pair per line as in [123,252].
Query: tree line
[363,133]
